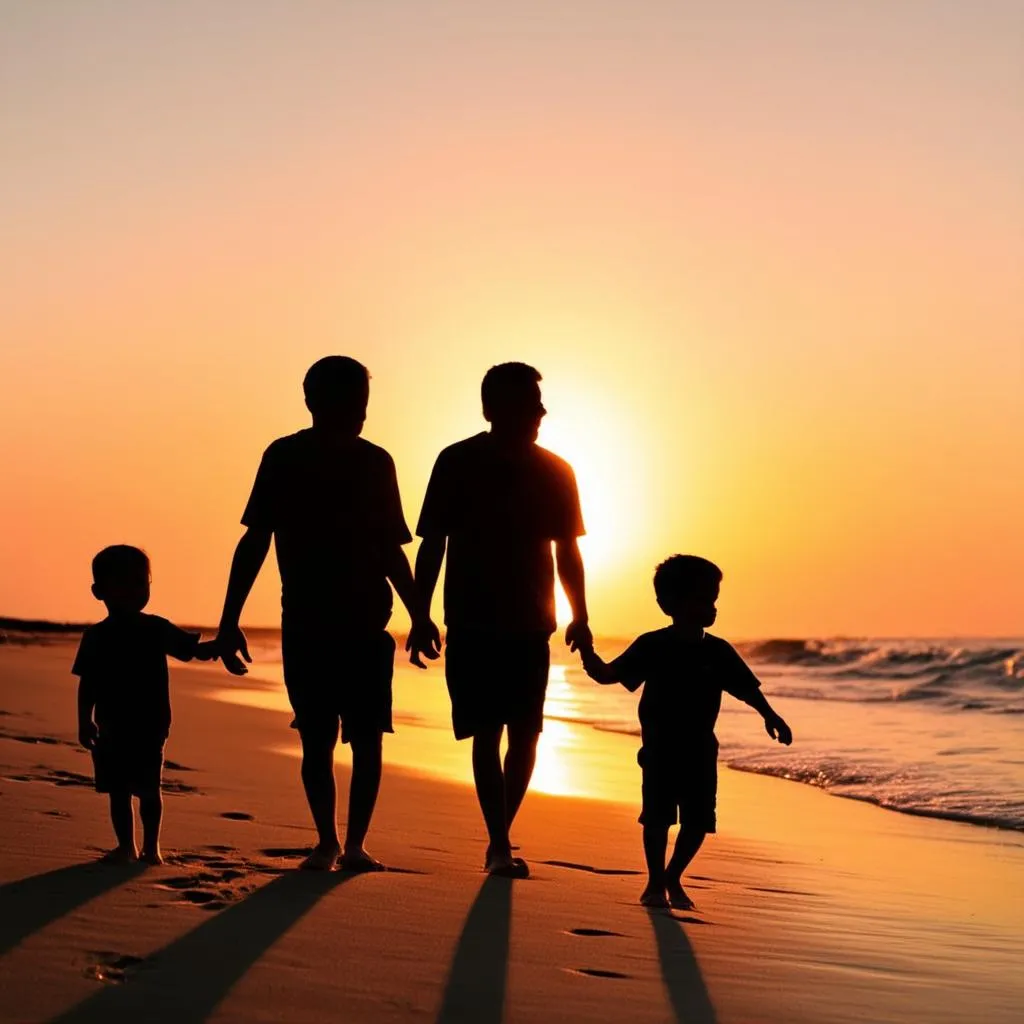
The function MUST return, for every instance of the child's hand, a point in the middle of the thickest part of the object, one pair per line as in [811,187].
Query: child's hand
[777,729]
[207,651]
[87,733]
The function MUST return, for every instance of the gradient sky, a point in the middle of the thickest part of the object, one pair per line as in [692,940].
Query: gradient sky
[768,256]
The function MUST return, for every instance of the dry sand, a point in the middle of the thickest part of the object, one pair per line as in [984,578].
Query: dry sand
[811,908]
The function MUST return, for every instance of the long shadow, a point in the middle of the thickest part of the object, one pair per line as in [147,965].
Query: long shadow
[681,972]
[30,904]
[185,981]
[475,992]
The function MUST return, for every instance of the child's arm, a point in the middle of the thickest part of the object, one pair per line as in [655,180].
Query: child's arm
[741,682]
[597,668]
[774,724]
[87,731]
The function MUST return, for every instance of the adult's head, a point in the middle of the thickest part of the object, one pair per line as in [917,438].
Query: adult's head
[511,400]
[121,578]
[686,587]
[337,390]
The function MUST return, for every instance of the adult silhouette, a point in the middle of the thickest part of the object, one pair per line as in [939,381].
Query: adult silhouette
[330,501]
[496,503]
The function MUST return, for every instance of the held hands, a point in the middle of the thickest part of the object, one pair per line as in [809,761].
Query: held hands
[777,729]
[578,637]
[424,639]
[87,733]
[207,650]
[230,642]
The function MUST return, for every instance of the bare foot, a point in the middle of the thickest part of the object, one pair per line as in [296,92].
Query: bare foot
[120,855]
[678,898]
[152,856]
[359,862]
[323,858]
[652,897]
[507,867]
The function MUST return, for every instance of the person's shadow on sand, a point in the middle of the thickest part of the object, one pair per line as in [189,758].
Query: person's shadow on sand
[30,904]
[680,971]
[186,980]
[475,992]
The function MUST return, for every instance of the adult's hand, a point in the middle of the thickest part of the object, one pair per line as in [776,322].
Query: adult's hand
[578,636]
[424,639]
[230,643]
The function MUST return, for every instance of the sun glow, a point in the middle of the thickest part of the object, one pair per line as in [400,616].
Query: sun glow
[594,437]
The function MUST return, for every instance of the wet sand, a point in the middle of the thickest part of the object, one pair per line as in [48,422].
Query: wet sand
[810,908]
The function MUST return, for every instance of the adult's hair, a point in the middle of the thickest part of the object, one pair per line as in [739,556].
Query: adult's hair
[682,576]
[508,386]
[336,384]
[118,562]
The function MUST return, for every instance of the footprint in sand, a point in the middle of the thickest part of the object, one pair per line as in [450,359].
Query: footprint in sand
[219,881]
[287,852]
[174,786]
[54,776]
[110,968]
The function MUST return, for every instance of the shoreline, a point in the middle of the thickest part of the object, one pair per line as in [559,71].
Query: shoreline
[810,909]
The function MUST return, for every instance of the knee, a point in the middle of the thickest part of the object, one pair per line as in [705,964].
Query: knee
[317,756]
[367,750]
[522,743]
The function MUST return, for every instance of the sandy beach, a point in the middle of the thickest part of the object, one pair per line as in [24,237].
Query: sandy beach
[809,907]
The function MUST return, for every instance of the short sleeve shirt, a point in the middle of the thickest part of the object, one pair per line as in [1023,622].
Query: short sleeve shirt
[500,510]
[683,684]
[124,661]
[335,513]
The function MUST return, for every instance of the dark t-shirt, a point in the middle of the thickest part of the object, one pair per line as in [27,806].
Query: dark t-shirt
[683,683]
[335,512]
[500,511]
[124,661]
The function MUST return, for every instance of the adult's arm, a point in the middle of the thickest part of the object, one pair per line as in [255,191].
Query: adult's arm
[570,571]
[250,554]
[424,637]
[428,568]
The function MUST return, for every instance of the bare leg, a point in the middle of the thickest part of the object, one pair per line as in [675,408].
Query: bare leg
[520,758]
[688,842]
[151,811]
[490,791]
[122,817]
[321,795]
[362,798]
[655,845]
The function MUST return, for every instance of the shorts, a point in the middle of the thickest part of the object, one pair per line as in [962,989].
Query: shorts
[496,678]
[128,764]
[682,786]
[333,676]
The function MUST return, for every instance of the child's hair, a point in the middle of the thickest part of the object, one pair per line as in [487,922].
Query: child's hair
[507,386]
[681,576]
[118,562]
[336,382]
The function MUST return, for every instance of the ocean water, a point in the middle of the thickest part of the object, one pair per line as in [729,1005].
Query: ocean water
[929,727]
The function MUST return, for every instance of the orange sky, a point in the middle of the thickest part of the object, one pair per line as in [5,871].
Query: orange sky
[766,254]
